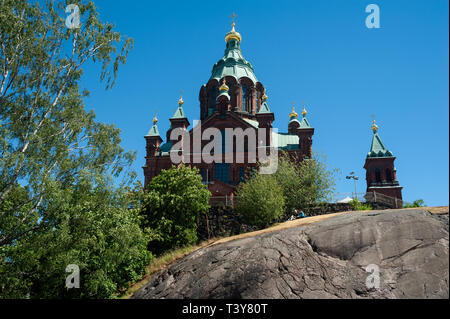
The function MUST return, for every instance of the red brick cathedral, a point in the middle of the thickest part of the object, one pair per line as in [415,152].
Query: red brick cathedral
[232,98]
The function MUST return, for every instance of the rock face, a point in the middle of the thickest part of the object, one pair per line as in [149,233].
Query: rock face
[325,259]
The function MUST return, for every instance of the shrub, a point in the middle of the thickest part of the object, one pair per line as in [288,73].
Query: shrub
[170,207]
[357,205]
[416,203]
[261,200]
[305,183]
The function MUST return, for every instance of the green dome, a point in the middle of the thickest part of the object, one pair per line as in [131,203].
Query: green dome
[233,64]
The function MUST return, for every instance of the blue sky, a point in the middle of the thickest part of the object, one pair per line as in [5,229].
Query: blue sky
[316,51]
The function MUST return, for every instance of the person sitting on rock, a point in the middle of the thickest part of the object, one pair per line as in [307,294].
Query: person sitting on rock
[301,214]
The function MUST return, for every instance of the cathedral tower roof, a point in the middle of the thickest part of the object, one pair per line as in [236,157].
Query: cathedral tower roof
[154,129]
[233,62]
[377,149]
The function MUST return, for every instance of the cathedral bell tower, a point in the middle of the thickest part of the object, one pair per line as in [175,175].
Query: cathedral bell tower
[381,174]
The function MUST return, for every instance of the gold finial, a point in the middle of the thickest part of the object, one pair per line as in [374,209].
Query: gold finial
[374,127]
[180,101]
[224,86]
[233,34]
[304,112]
[293,114]
[264,97]
[155,120]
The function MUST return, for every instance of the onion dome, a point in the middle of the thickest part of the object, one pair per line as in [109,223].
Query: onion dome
[224,87]
[374,127]
[233,34]
[304,113]
[293,114]
[264,97]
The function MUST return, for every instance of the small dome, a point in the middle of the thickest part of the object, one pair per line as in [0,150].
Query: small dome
[233,35]
[293,114]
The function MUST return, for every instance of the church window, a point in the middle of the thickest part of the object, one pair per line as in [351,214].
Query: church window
[378,175]
[388,175]
[212,100]
[244,98]
[222,172]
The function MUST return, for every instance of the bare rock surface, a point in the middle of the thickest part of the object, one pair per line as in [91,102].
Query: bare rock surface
[325,259]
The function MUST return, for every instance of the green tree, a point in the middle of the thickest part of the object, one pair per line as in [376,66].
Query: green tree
[305,183]
[260,200]
[59,203]
[171,205]
[416,203]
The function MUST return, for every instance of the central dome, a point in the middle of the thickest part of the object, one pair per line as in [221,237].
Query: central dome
[233,63]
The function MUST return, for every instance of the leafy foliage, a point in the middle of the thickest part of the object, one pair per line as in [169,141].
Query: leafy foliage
[357,205]
[170,207]
[58,202]
[305,183]
[86,225]
[416,203]
[261,200]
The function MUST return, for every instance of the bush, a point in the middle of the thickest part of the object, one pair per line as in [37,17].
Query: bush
[357,205]
[305,183]
[416,203]
[171,204]
[260,200]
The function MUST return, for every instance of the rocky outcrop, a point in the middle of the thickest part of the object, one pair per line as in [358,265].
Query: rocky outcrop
[325,259]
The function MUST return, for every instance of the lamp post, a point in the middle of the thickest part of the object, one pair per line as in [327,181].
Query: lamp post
[355,178]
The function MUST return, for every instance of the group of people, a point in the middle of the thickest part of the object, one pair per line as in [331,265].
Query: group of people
[296,214]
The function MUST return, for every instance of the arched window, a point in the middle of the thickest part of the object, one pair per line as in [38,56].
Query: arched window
[388,175]
[212,100]
[377,176]
[244,97]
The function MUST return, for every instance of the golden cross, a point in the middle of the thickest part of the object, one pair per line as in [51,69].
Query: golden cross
[233,16]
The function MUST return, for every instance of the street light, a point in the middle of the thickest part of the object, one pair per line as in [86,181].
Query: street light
[355,178]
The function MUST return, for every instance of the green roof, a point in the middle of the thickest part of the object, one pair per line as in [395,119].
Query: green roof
[264,109]
[165,148]
[153,131]
[233,64]
[286,141]
[252,122]
[304,123]
[377,149]
[179,113]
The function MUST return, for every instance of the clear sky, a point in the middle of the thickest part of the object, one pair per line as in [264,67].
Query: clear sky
[316,51]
